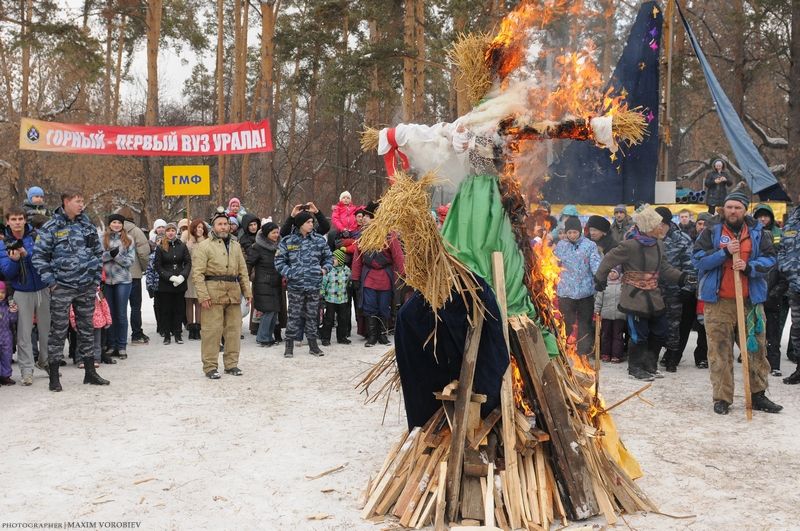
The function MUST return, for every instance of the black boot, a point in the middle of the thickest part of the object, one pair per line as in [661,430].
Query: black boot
[383,339]
[178,339]
[90,375]
[289,352]
[107,359]
[313,348]
[650,357]
[794,378]
[277,335]
[721,407]
[195,333]
[762,403]
[55,383]
[167,340]
[372,331]
[637,362]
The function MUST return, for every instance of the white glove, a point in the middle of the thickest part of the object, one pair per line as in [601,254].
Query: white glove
[179,280]
[174,280]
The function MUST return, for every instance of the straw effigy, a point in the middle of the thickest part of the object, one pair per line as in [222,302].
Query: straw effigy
[467,55]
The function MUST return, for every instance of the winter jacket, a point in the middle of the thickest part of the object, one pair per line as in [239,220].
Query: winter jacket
[21,273]
[717,192]
[301,259]
[321,225]
[246,239]
[7,320]
[789,251]
[334,285]
[68,252]
[606,303]
[191,243]
[606,243]
[690,230]
[579,262]
[36,211]
[267,282]
[378,270]
[636,258]
[215,257]
[102,313]
[776,281]
[678,251]
[344,216]
[346,240]
[619,230]
[709,258]
[118,268]
[142,246]
[175,261]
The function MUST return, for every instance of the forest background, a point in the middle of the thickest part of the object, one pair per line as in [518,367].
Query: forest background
[320,70]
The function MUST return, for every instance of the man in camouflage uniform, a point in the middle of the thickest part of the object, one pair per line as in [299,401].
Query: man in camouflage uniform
[67,257]
[304,258]
[737,243]
[680,301]
[219,273]
[789,265]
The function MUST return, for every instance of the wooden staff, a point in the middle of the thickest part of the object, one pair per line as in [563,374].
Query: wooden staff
[598,321]
[737,283]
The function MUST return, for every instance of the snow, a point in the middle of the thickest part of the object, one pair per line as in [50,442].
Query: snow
[165,446]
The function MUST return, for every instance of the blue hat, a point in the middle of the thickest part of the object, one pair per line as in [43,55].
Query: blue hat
[34,191]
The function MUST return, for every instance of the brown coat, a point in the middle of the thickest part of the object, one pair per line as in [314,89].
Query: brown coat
[635,257]
[210,257]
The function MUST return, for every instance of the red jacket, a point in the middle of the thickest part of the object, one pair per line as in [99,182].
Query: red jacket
[376,277]
[344,216]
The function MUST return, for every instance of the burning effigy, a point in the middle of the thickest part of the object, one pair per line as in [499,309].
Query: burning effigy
[507,427]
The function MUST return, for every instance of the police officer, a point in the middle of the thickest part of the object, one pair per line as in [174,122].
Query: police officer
[67,255]
[789,265]
[219,273]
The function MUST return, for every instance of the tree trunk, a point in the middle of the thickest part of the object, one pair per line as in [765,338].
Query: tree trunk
[7,79]
[738,28]
[118,69]
[793,156]
[458,90]
[220,95]
[419,70]
[609,13]
[153,22]
[109,16]
[372,113]
[408,61]
[678,67]
[268,16]
[26,16]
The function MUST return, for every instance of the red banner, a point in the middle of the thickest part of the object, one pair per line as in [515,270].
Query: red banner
[189,141]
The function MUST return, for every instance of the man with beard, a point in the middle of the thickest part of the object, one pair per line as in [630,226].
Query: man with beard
[714,250]
[621,224]
[219,273]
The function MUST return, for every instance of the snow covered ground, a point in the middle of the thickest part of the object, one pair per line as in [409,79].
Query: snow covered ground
[165,447]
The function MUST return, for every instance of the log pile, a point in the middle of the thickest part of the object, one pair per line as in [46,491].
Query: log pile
[515,470]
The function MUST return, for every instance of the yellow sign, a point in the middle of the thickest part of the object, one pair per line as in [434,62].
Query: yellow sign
[187,180]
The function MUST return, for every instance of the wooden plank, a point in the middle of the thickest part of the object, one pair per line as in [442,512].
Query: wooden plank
[533,489]
[439,522]
[466,378]
[486,426]
[742,331]
[420,486]
[507,405]
[385,481]
[411,485]
[471,498]
[474,465]
[572,467]
[542,491]
[475,398]
[488,497]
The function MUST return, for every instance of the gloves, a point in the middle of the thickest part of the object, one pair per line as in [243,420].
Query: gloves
[179,280]
[600,285]
[345,234]
[355,285]
[114,252]
[174,280]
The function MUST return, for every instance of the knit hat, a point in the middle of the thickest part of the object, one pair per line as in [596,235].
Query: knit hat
[666,214]
[218,213]
[34,191]
[233,221]
[268,227]
[159,223]
[600,223]
[620,208]
[570,210]
[172,226]
[704,216]
[234,200]
[572,223]
[738,194]
[302,217]
[343,194]
[183,223]
[647,219]
[339,255]
[116,217]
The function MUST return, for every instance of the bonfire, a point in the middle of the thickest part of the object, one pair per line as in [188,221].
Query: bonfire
[520,437]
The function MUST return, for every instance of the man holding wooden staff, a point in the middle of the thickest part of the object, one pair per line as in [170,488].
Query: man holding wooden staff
[738,246]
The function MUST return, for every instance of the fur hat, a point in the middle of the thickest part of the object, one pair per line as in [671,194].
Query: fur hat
[666,214]
[268,227]
[302,217]
[572,223]
[647,219]
[739,194]
[116,217]
[600,223]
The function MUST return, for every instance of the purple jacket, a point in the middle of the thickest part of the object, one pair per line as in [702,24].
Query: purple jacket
[7,318]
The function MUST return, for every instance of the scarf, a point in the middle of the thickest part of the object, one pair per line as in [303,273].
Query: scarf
[644,239]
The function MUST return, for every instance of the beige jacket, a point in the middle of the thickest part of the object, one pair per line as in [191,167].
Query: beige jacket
[142,246]
[211,258]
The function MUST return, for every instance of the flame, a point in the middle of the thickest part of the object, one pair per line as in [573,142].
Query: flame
[519,389]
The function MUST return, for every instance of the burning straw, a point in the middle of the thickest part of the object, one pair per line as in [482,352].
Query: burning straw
[468,55]
[405,208]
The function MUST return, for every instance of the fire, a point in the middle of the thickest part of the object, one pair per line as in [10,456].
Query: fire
[519,389]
